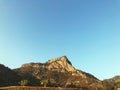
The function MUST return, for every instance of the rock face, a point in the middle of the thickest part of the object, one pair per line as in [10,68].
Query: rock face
[60,72]
[61,64]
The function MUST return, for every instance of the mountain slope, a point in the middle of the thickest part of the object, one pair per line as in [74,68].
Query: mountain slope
[115,79]
[60,72]
[112,83]
[8,77]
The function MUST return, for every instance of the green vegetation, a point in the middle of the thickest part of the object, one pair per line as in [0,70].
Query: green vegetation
[44,82]
[23,82]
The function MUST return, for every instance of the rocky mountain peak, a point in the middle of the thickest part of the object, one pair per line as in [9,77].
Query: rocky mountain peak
[63,59]
[61,64]
[60,72]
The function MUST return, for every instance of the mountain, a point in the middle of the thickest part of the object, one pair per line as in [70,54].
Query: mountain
[59,72]
[112,83]
[8,77]
[115,79]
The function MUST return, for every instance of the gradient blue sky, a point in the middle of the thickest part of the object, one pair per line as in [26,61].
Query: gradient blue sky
[86,31]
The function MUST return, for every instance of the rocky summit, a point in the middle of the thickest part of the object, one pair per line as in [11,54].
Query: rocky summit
[61,64]
[60,73]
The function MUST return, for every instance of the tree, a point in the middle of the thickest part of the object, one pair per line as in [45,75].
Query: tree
[23,82]
[44,82]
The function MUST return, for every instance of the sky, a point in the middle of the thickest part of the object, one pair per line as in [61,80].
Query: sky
[86,31]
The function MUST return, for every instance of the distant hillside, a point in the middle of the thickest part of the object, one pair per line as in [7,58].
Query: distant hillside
[112,83]
[8,77]
[59,72]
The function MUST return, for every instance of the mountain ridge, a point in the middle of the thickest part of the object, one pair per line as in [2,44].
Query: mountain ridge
[112,83]
[60,72]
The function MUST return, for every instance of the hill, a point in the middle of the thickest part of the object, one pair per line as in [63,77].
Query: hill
[112,83]
[8,77]
[60,73]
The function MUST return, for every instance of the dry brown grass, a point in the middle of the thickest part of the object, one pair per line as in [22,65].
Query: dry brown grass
[35,88]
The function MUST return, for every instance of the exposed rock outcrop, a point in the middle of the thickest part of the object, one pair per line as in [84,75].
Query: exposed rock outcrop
[61,64]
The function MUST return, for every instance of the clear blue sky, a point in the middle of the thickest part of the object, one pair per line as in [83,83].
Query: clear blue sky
[86,31]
